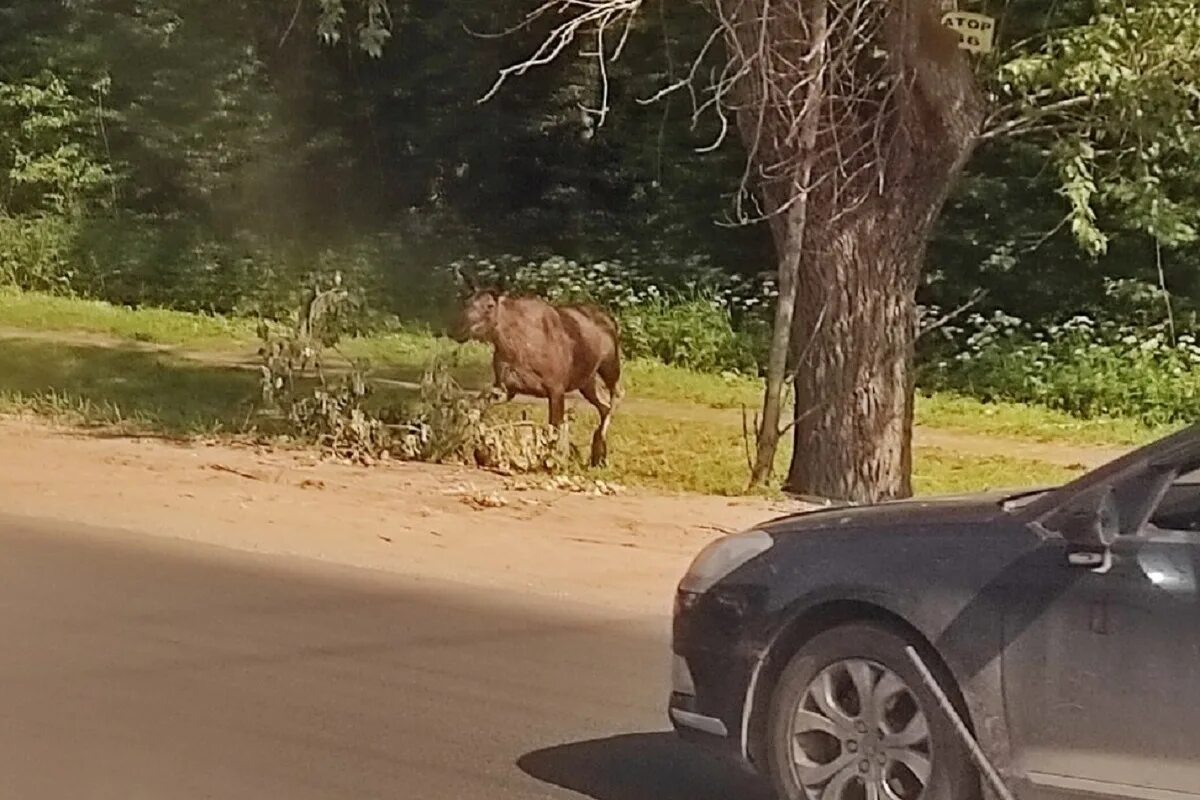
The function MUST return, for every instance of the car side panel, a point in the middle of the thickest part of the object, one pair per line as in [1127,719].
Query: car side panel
[949,584]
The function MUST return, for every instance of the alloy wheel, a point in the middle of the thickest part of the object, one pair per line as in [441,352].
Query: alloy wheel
[859,733]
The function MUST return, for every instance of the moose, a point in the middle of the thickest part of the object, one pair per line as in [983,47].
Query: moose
[547,351]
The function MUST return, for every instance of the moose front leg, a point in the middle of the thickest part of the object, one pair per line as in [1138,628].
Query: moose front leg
[558,420]
[499,391]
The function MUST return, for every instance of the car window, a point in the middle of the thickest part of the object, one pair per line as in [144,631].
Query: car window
[1190,478]
[1179,509]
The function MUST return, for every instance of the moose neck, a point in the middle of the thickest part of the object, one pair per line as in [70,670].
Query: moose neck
[505,335]
[519,328]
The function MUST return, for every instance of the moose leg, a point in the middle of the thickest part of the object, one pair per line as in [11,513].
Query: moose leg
[610,373]
[600,437]
[558,419]
[499,392]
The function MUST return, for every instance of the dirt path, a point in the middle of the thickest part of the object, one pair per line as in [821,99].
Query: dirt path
[625,552]
[954,441]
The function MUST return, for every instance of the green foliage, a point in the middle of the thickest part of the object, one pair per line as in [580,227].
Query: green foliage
[1088,366]
[338,415]
[332,416]
[1116,98]
[37,252]
[696,334]
[193,389]
[373,30]
[49,159]
[454,426]
[210,156]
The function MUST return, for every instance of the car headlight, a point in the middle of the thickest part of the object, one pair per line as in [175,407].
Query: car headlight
[722,557]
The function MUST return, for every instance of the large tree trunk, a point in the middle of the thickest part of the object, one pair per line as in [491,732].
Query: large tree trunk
[855,317]
[856,323]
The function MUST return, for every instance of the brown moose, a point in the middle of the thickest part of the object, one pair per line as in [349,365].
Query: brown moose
[547,351]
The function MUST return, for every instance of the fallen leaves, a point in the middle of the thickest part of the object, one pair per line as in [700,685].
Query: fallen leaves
[570,484]
[484,500]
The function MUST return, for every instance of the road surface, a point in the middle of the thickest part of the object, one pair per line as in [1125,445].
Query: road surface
[147,669]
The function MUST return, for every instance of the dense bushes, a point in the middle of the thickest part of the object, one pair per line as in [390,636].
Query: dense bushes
[1088,366]
[140,261]
[708,321]
[1119,359]
[37,252]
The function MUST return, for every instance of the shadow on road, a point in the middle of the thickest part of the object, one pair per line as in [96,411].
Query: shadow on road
[643,766]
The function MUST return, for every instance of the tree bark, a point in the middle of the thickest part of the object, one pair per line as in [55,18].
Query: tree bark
[856,306]
[856,317]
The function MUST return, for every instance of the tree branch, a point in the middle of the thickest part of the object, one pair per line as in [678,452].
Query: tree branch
[975,299]
[1030,122]
[291,25]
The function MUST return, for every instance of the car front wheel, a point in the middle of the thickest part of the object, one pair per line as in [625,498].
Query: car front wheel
[850,719]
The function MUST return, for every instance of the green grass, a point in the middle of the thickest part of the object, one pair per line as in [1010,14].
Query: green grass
[138,389]
[711,459]
[1016,421]
[667,437]
[39,312]
[937,472]
[404,356]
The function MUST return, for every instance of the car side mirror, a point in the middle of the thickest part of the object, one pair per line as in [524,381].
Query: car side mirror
[1084,527]
[1090,524]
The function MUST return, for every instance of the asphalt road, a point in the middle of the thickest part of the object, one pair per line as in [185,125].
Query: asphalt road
[140,669]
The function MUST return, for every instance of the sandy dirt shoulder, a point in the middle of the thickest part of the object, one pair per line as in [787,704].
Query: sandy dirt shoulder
[622,552]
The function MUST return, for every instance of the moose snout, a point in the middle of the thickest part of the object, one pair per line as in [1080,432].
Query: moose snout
[460,331]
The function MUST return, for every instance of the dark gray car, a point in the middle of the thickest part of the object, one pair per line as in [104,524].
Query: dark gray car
[1063,624]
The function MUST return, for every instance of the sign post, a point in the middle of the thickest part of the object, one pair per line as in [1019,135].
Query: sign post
[976,32]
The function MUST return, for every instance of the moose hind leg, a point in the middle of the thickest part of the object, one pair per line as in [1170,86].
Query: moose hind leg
[610,373]
[600,437]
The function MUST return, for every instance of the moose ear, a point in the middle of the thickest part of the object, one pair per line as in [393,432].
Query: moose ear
[468,279]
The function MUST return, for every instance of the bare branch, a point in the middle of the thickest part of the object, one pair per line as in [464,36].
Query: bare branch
[975,299]
[582,16]
[1031,120]
[291,25]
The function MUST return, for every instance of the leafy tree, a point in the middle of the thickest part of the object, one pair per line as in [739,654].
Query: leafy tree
[49,161]
[1113,103]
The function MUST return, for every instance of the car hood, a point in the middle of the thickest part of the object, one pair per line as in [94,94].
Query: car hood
[973,508]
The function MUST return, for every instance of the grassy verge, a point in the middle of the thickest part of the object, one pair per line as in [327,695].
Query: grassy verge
[136,391]
[38,312]
[668,437]
[1015,421]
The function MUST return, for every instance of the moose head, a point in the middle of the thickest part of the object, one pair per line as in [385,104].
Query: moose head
[477,320]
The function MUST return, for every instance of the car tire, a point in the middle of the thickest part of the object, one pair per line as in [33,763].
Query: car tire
[823,734]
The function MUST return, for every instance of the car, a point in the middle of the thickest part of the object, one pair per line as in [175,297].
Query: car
[1061,627]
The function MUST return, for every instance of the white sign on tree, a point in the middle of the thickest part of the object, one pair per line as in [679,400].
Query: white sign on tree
[976,32]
